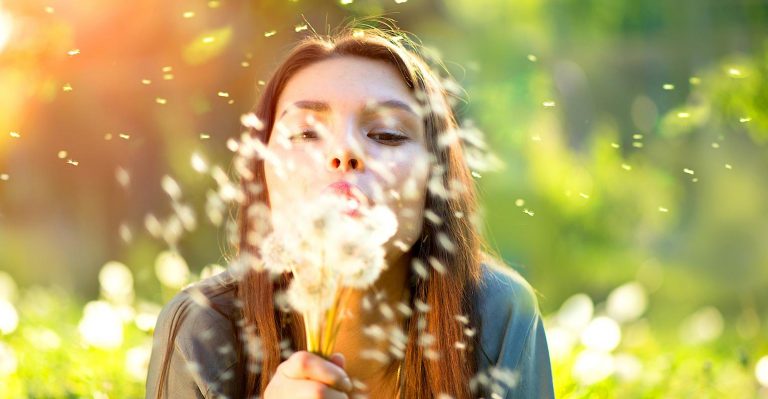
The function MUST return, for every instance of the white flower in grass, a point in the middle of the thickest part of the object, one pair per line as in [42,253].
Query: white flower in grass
[116,282]
[101,325]
[9,318]
[8,362]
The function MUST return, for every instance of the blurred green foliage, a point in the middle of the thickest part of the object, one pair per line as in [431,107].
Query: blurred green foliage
[646,164]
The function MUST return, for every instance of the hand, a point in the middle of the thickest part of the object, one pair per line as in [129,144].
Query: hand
[308,376]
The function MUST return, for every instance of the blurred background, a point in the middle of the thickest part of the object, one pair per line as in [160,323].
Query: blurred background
[632,194]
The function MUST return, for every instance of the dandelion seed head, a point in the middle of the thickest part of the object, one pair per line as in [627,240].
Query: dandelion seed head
[8,361]
[627,302]
[601,334]
[116,281]
[9,318]
[171,269]
[101,325]
[576,312]
[704,325]
[592,366]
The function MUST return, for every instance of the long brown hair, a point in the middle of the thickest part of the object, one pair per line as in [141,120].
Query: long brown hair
[449,288]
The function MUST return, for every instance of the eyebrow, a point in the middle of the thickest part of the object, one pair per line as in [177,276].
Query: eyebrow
[321,106]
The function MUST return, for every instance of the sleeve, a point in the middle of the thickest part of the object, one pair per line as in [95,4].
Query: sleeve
[201,362]
[514,360]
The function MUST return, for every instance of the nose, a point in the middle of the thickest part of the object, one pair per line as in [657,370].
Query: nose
[345,160]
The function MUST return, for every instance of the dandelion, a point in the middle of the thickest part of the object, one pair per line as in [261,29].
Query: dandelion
[331,246]
[137,362]
[116,282]
[627,302]
[592,366]
[601,334]
[101,325]
[171,269]
[761,371]
[9,318]
[72,162]
[8,361]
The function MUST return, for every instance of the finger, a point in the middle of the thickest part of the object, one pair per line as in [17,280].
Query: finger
[338,359]
[307,389]
[305,365]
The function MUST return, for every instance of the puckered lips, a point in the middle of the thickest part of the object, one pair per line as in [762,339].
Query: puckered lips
[354,197]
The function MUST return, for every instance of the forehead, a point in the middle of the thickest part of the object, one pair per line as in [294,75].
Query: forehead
[346,82]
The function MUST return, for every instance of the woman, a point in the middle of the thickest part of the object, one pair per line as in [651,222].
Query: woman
[362,115]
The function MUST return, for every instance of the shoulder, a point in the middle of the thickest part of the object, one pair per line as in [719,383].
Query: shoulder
[508,310]
[197,329]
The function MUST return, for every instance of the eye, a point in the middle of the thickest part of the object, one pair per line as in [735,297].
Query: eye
[389,138]
[304,134]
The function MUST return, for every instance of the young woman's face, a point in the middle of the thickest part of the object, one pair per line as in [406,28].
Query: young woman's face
[350,126]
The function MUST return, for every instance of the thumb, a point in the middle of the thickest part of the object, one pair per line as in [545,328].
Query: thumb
[338,359]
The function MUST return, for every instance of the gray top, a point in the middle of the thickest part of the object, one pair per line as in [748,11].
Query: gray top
[513,359]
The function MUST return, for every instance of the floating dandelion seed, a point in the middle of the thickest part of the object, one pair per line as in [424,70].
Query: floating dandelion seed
[188,14]
[261,83]
[528,212]
[626,167]
[146,82]
[688,171]
[715,145]
[171,187]
[15,135]
[124,136]
[400,1]
[168,76]
[101,325]
[209,39]
[345,2]
[250,120]
[728,166]
[245,64]
[575,313]
[548,104]
[73,162]
[734,72]
[49,10]
[668,86]
[125,233]
[694,80]
[222,94]
[536,138]
[67,87]
[637,144]
[476,175]
[108,136]
[615,145]
[519,202]
[582,195]
[704,325]
[4,177]
[745,120]
[167,68]
[663,209]
[205,136]
[532,58]
[73,52]
[270,33]
[9,318]
[637,136]
[214,4]
[198,163]
[122,177]
[300,27]
[161,101]
[683,115]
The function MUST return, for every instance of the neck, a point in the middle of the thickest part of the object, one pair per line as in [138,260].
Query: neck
[392,288]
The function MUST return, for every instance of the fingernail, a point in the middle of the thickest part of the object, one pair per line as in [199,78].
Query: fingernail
[347,383]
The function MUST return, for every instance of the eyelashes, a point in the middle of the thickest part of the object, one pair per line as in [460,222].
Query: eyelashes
[384,137]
